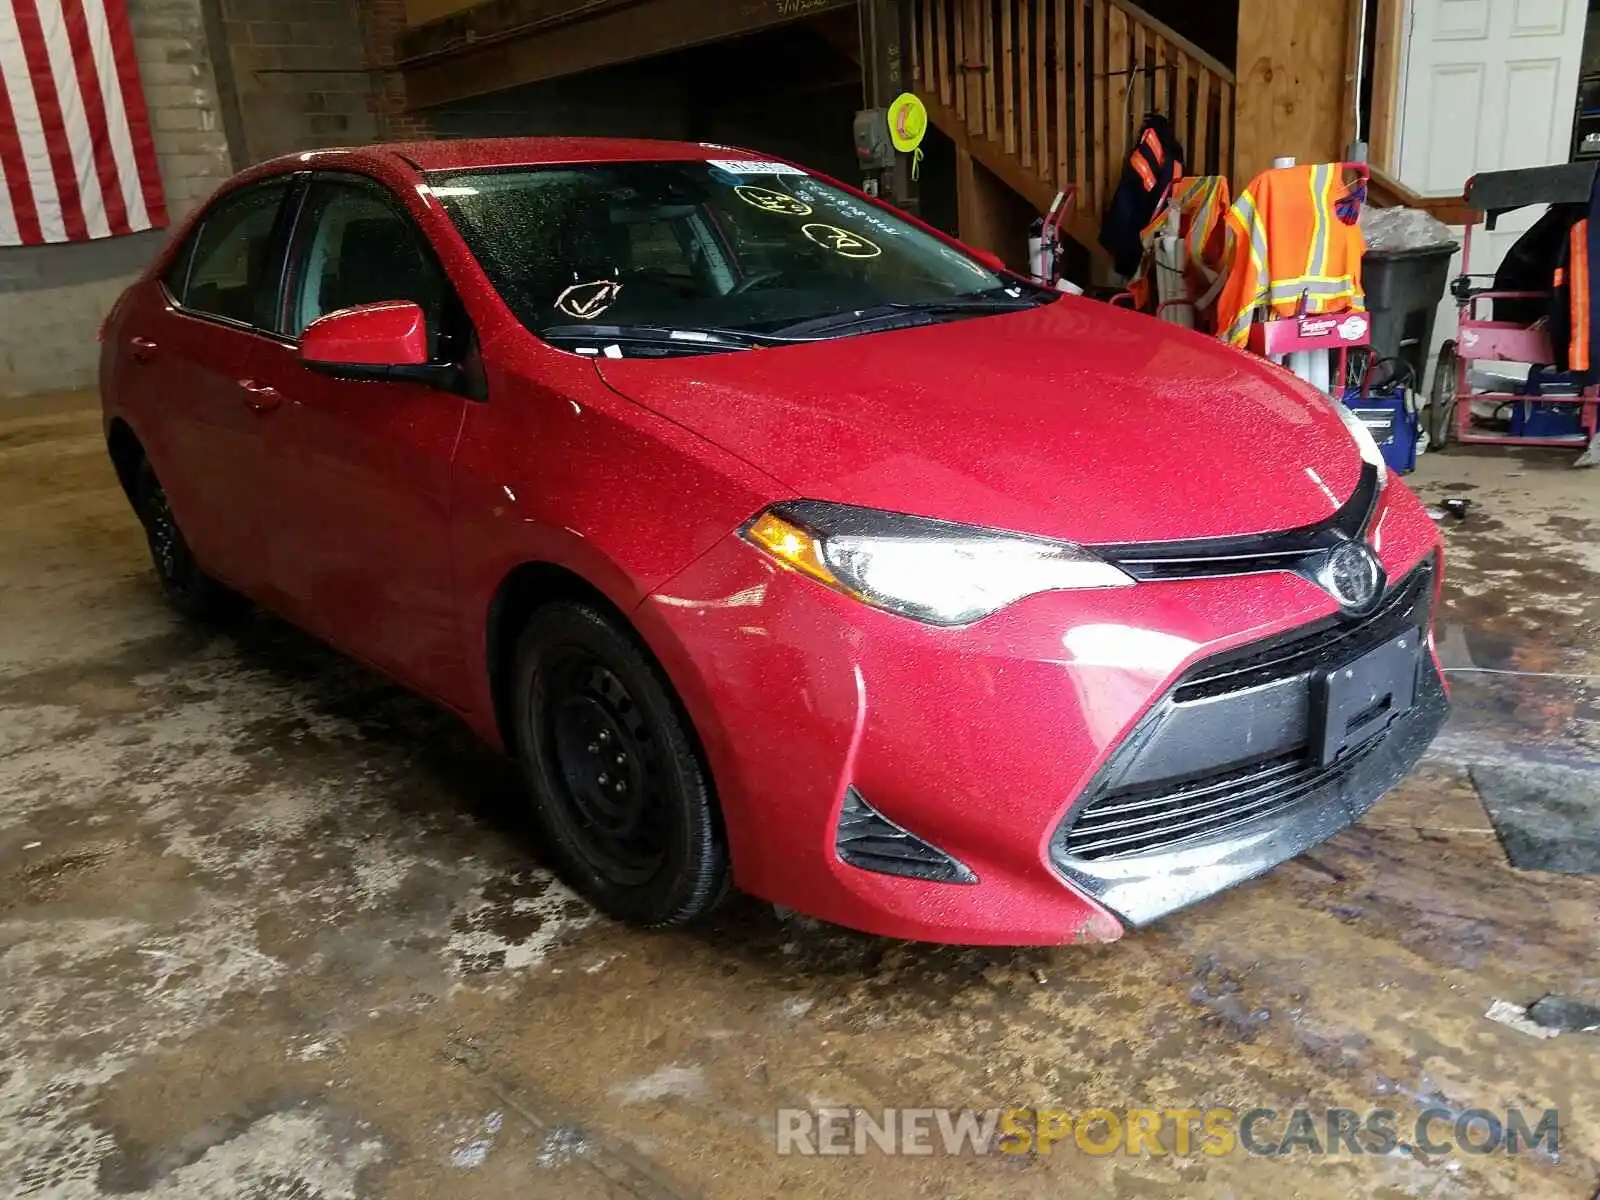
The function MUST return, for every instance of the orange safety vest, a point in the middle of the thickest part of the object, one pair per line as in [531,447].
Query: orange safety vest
[1202,202]
[1286,242]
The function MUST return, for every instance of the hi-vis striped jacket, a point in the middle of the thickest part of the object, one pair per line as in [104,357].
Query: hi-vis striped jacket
[1287,240]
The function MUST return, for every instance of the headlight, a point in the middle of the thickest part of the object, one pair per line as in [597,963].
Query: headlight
[1365,442]
[932,571]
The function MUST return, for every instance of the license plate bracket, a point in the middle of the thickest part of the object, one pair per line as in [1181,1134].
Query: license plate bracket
[1355,702]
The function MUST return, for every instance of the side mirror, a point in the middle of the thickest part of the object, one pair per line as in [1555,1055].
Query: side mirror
[365,341]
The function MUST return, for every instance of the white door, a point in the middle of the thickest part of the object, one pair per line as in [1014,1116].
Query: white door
[1489,85]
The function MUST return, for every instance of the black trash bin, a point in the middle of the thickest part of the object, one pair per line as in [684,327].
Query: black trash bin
[1404,288]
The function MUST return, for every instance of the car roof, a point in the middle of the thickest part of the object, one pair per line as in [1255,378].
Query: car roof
[450,154]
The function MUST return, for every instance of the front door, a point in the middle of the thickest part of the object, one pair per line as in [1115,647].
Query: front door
[365,493]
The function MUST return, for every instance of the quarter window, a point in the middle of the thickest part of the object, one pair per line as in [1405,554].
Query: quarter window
[232,270]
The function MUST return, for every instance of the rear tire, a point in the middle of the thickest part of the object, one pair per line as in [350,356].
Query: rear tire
[618,790]
[188,589]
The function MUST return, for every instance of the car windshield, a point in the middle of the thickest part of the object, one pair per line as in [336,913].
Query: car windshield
[694,257]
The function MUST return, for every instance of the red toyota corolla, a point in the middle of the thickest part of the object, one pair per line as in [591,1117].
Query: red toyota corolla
[786,543]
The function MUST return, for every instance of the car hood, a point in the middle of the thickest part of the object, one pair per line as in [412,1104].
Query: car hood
[1073,420]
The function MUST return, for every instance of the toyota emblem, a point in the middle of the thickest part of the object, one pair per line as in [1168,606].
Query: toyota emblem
[1353,576]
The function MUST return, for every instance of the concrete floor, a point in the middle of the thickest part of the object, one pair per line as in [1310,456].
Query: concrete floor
[269,930]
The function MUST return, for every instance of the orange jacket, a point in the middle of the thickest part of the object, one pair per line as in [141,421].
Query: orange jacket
[1202,202]
[1287,241]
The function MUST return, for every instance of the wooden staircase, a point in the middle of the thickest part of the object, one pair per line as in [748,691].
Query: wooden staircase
[1047,94]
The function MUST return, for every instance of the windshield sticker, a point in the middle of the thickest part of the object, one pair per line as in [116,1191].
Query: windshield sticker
[841,241]
[586,300]
[768,200]
[753,166]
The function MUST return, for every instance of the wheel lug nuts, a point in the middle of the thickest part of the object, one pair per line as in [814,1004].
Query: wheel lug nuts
[621,787]
[594,747]
[604,779]
[621,759]
[605,735]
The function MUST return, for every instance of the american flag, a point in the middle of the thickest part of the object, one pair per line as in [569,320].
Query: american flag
[76,158]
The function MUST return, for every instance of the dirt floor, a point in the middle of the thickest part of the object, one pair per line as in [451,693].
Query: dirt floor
[270,930]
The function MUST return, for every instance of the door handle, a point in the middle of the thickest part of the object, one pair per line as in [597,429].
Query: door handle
[143,349]
[259,397]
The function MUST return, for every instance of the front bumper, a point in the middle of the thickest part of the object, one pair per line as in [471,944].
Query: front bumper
[991,742]
[1219,782]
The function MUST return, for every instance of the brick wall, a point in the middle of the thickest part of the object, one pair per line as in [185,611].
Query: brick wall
[229,83]
[382,23]
[52,298]
[299,76]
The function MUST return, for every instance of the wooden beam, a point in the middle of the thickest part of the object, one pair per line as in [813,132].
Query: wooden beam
[1386,67]
[1041,85]
[1069,170]
[478,23]
[1290,94]
[1118,82]
[1078,172]
[1350,94]
[1180,109]
[600,34]
[1010,64]
[991,82]
[1101,126]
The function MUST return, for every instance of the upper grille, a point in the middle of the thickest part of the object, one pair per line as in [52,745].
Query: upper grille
[1313,646]
[1120,822]
[1289,550]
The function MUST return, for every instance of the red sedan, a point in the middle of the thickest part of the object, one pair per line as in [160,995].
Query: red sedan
[787,543]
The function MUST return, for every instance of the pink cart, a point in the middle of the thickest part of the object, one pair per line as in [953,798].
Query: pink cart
[1485,340]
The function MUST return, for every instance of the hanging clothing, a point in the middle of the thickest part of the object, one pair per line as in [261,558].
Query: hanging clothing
[1292,236]
[1528,265]
[1202,203]
[1155,162]
[1573,335]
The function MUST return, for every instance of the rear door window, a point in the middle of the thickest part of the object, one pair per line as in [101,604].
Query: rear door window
[234,267]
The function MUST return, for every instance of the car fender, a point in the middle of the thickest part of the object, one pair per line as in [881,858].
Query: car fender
[558,470]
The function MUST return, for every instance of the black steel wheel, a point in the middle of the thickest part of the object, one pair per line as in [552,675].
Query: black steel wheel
[187,588]
[617,785]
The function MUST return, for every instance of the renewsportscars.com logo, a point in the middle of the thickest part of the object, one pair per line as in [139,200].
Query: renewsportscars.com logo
[1182,1132]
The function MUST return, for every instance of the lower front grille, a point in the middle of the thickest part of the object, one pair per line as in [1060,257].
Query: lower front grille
[1126,823]
[1231,743]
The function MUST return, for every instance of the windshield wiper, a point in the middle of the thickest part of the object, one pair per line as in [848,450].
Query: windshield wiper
[692,339]
[907,312]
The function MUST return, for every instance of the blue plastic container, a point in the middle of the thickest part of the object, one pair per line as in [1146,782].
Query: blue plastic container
[1393,428]
[1546,419]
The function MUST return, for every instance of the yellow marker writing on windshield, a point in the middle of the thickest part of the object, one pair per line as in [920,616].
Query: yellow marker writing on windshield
[772,201]
[841,241]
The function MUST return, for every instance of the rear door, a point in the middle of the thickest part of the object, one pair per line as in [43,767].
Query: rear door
[365,495]
[187,386]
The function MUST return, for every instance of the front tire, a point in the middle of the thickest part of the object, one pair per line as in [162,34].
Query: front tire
[618,790]
[188,589]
